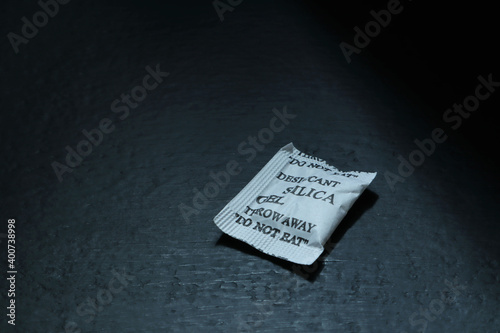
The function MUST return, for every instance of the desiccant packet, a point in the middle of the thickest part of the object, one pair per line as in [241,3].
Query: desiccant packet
[292,206]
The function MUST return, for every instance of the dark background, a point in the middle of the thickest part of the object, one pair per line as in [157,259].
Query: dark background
[118,210]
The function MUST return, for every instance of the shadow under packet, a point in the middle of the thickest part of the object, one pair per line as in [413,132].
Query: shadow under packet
[292,206]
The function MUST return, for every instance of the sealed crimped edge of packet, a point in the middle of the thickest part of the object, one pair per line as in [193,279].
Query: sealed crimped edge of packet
[292,206]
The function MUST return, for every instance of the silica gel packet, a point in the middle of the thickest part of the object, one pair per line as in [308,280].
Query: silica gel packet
[292,206]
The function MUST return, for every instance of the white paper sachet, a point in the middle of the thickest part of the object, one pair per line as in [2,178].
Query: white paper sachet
[292,206]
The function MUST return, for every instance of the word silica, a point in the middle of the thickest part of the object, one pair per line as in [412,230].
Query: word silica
[292,206]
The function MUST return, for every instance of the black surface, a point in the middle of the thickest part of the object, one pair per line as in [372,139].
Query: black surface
[391,259]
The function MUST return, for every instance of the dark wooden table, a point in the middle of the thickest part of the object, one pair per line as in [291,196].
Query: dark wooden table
[107,249]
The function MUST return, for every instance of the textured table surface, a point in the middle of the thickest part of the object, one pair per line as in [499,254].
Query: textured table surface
[107,249]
